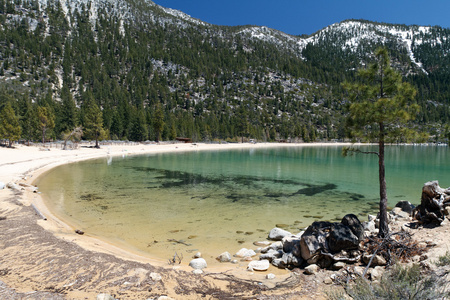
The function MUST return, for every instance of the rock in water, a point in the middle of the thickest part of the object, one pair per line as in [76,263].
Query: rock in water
[244,252]
[198,263]
[224,257]
[259,265]
[277,234]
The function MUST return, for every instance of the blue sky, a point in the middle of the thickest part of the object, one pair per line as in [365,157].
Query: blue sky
[305,17]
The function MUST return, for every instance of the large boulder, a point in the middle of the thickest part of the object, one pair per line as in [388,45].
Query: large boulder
[314,239]
[291,244]
[342,238]
[353,223]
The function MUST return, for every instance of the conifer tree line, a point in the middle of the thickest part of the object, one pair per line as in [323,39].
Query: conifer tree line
[144,80]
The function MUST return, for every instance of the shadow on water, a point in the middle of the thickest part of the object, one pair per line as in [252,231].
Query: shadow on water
[271,188]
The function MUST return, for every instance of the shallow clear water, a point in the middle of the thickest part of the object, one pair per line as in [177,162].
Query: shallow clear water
[216,201]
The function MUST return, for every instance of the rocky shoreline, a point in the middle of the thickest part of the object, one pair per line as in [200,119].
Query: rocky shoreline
[335,246]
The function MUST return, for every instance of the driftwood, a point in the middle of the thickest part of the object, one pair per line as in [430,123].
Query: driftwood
[39,212]
[433,202]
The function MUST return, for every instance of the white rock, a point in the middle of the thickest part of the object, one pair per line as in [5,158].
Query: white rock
[259,265]
[312,269]
[155,276]
[277,234]
[197,272]
[2,185]
[198,255]
[259,243]
[244,252]
[198,263]
[270,276]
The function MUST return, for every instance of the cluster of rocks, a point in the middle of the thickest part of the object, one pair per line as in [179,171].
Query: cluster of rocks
[323,245]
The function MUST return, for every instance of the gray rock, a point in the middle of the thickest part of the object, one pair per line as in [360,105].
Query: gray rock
[278,262]
[198,263]
[291,244]
[277,234]
[259,265]
[271,254]
[224,257]
[291,260]
[262,243]
[312,269]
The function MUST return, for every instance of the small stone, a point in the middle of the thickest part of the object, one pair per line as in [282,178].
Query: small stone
[80,232]
[378,260]
[198,255]
[197,272]
[339,265]
[234,261]
[2,185]
[262,243]
[328,281]
[155,276]
[259,265]
[224,257]
[312,269]
[270,276]
[198,263]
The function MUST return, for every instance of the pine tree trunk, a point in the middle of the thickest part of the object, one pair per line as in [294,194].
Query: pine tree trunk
[384,227]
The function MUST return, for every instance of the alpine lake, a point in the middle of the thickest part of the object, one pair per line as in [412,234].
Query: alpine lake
[216,201]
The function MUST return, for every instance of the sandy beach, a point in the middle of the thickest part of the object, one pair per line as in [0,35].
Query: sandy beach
[46,258]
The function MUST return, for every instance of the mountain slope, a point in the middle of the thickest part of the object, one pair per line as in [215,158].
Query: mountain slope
[213,82]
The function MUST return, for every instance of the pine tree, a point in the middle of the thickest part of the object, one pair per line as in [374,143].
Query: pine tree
[9,125]
[158,121]
[92,121]
[46,121]
[381,106]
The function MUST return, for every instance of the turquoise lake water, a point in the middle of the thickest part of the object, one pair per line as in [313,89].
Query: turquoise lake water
[216,201]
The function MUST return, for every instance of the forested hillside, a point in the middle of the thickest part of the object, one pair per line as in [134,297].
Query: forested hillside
[132,70]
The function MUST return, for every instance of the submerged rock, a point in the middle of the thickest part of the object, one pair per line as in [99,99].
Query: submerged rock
[224,257]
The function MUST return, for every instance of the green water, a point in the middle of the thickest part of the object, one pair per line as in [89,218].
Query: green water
[216,201]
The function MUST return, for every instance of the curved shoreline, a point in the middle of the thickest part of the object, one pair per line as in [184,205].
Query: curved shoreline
[24,164]
[60,228]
